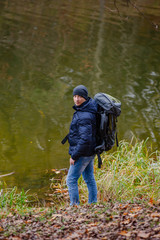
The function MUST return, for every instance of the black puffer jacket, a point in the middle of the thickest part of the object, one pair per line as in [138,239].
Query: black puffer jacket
[82,135]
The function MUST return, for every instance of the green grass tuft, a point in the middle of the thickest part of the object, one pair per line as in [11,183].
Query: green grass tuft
[129,174]
[12,198]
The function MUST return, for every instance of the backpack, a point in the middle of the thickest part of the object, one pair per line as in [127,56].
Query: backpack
[109,108]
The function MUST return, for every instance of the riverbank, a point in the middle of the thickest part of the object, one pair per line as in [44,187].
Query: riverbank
[128,202]
[131,173]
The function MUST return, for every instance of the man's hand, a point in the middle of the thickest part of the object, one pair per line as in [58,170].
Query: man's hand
[72,161]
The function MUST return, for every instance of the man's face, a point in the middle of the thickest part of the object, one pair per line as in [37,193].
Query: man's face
[78,100]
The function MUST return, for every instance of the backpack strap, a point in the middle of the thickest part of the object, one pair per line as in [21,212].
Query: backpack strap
[99,160]
[65,139]
[116,135]
[117,140]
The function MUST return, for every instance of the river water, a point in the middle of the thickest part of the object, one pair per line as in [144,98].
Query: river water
[47,47]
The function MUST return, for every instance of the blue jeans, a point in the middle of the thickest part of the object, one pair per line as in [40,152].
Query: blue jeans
[84,166]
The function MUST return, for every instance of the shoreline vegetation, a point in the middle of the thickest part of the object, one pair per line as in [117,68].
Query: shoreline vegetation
[129,174]
[128,202]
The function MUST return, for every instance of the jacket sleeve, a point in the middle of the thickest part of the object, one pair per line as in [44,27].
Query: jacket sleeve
[85,138]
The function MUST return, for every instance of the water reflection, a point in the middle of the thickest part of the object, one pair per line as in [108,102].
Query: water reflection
[48,47]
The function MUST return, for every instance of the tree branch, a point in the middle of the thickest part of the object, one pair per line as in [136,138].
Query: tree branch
[141,13]
[129,2]
[115,4]
[8,174]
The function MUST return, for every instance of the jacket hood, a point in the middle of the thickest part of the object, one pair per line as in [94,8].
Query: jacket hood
[89,105]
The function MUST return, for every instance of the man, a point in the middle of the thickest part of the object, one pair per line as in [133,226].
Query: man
[82,141]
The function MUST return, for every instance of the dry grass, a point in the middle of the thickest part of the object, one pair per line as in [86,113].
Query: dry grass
[129,174]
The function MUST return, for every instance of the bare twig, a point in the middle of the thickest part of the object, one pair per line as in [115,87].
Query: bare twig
[141,13]
[115,4]
[111,10]
[8,174]
[129,2]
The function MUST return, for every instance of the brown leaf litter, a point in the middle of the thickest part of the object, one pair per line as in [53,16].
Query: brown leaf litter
[110,221]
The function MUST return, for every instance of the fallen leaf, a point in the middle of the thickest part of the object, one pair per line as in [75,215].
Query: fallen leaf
[55,216]
[92,225]
[143,235]
[74,236]
[125,213]
[53,170]
[124,206]
[79,220]
[16,238]
[135,209]
[157,202]
[58,191]
[125,233]
[157,236]
[131,215]
[157,229]
[67,218]
[10,215]
[28,222]
[155,214]
[127,221]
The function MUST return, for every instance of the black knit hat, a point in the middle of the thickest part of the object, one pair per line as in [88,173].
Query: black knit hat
[81,90]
